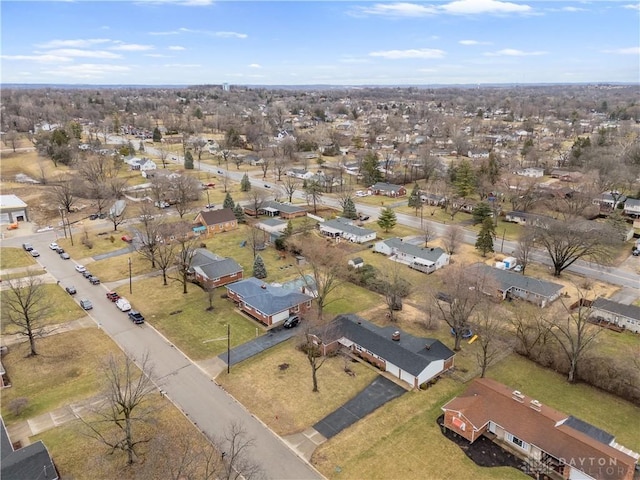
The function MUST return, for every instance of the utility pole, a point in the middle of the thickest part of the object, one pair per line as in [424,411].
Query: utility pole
[64,225]
[228,347]
[130,289]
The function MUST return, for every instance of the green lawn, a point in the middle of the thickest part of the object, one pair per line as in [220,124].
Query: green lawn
[62,308]
[67,369]
[199,333]
[350,298]
[107,242]
[11,257]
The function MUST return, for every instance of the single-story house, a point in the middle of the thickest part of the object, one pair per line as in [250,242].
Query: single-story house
[413,360]
[30,462]
[215,221]
[625,316]
[344,228]
[286,211]
[269,304]
[272,225]
[356,262]
[304,284]
[566,176]
[432,199]
[632,207]
[515,285]
[525,218]
[431,258]
[300,173]
[609,200]
[388,189]
[12,209]
[563,445]
[533,172]
[211,270]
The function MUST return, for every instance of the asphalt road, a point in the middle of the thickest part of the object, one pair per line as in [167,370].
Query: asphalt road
[208,406]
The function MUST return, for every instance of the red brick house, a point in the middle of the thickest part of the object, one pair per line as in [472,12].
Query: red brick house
[413,360]
[215,221]
[561,445]
[211,270]
[388,189]
[269,304]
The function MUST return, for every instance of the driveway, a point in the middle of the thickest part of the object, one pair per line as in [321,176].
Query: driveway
[376,394]
[260,344]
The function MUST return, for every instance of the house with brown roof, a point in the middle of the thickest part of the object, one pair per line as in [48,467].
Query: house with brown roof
[215,221]
[561,445]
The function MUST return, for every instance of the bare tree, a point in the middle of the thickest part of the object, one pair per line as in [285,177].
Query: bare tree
[313,192]
[163,156]
[165,257]
[235,447]
[279,167]
[575,335]
[526,243]
[63,194]
[569,241]
[488,326]
[395,288]
[185,248]
[116,220]
[11,139]
[452,238]
[256,240]
[264,166]
[290,185]
[256,198]
[428,232]
[26,305]
[126,405]
[184,190]
[530,328]
[150,238]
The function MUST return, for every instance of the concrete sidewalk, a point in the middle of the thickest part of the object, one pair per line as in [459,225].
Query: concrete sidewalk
[84,322]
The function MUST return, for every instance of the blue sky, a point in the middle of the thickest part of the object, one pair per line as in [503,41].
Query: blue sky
[184,42]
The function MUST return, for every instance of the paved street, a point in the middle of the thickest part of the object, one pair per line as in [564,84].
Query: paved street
[209,407]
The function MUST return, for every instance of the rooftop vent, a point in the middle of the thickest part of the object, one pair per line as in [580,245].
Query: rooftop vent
[518,396]
[395,336]
[536,405]
[263,286]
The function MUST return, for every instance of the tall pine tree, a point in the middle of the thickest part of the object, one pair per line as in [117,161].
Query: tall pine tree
[484,243]
[188,160]
[238,211]
[228,202]
[245,183]
[387,219]
[414,198]
[349,209]
[259,270]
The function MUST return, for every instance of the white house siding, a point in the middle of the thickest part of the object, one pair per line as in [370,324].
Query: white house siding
[393,370]
[433,369]
[407,377]
[383,248]
[279,317]
[4,218]
[575,474]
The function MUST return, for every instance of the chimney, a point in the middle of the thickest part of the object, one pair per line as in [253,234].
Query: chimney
[428,346]
[263,286]
[536,405]
[517,396]
[396,336]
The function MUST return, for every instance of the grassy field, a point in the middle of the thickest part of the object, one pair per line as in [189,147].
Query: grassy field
[106,240]
[62,308]
[274,387]
[67,369]
[14,258]
[116,268]
[34,271]
[193,328]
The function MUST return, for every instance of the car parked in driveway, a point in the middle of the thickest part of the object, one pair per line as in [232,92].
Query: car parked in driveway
[292,321]
[80,268]
[34,253]
[123,304]
[71,290]
[86,304]
[27,246]
[136,317]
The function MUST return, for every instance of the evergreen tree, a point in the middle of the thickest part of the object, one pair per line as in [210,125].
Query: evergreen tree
[228,202]
[349,209]
[480,212]
[387,219]
[484,243]
[259,270]
[414,198]
[465,179]
[493,169]
[369,169]
[157,136]
[238,211]
[188,161]
[245,183]
[289,230]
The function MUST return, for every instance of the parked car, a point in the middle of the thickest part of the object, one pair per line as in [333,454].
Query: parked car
[86,274]
[123,304]
[266,185]
[362,217]
[27,246]
[94,280]
[93,216]
[113,296]
[136,317]
[126,238]
[292,321]
[59,250]
[65,256]
[86,304]
[517,268]
[102,216]
[80,268]
[636,252]
[54,246]
[71,290]
[34,253]
[209,205]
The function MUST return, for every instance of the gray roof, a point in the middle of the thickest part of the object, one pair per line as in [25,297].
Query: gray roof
[11,201]
[588,429]
[632,202]
[273,222]
[507,280]
[212,265]
[267,298]
[344,225]
[30,462]
[387,187]
[283,207]
[429,254]
[629,311]
[409,353]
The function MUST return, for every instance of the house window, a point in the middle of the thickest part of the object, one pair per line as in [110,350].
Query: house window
[516,441]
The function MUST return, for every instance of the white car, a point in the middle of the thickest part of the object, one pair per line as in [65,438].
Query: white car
[80,268]
[360,193]
[123,304]
[54,246]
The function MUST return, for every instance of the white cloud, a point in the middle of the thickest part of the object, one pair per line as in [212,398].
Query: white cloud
[76,52]
[132,47]
[231,35]
[255,65]
[45,58]
[398,10]
[624,51]
[512,52]
[464,7]
[77,43]
[88,71]
[411,53]
[181,65]
[469,42]
[632,6]
[184,3]
[573,9]
[156,55]
[354,60]
[176,48]
[170,32]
